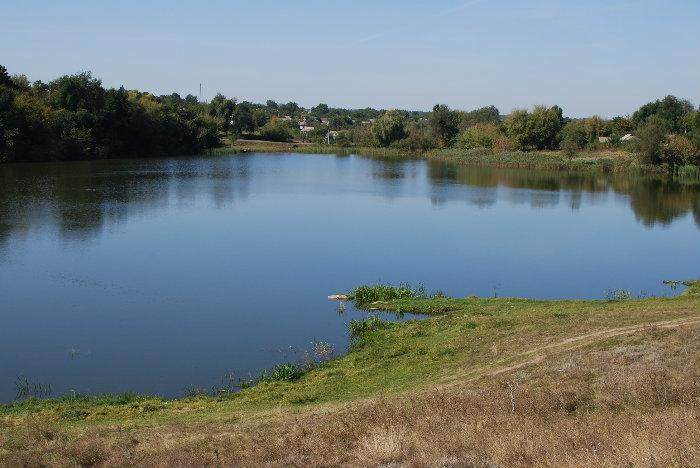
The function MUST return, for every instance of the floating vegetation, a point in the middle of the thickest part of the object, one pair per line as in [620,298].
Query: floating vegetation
[366,294]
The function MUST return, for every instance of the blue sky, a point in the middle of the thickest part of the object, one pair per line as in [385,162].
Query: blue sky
[593,57]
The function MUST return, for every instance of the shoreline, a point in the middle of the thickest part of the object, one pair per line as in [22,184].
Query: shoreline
[606,161]
[547,363]
[386,302]
[598,161]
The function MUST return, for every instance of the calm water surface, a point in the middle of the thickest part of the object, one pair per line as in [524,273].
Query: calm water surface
[157,275]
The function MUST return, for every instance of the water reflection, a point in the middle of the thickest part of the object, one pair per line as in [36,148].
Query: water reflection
[652,199]
[80,199]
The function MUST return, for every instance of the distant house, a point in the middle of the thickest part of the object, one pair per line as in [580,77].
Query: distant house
[603,139]
[287,118]
[306,128]
[324,121]
[628,137]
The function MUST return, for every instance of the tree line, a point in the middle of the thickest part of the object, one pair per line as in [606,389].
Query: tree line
[666,131]
[75,117]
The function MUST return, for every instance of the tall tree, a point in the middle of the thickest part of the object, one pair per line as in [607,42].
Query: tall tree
[388,128]
[444,124]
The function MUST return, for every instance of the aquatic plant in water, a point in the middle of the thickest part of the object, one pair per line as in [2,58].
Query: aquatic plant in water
[366,294]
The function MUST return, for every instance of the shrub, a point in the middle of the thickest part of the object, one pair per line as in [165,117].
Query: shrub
[570,147]
[680,150]
[363,136]
[418,138]
[277,130]
[481,135]
[503,145]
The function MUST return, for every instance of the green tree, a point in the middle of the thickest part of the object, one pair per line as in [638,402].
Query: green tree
[516,125]
[539,129]
[77,92]
[291,109]
[575,134]
[670,108]
[544,125]
[651,138]
[680,150]
[621,125]
[418,137]
[221,107]
[320,110]
[596,127]
[388,128]
[489,114]
[241,119]
[444,124]
[277,130]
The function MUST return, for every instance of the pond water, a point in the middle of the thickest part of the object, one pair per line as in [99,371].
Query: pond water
[153,276]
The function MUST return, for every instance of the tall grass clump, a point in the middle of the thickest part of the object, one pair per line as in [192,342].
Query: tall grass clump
[287,372]
[359,328]
[617,295]
[688,173]
[367,294]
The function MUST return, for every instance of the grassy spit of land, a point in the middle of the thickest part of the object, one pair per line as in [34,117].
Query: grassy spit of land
[480,382]
[608,160]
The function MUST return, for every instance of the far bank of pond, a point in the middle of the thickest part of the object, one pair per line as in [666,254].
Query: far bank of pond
[605,160]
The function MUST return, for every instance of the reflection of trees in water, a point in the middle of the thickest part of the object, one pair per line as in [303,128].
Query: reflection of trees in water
[652,200]
[388,169]
[79,199]
[656,202]
[393,174]
[483,187]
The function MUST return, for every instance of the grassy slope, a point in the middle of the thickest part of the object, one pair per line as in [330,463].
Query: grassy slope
[466,343]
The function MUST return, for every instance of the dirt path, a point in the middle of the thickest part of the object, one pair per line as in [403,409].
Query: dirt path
[585,339]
